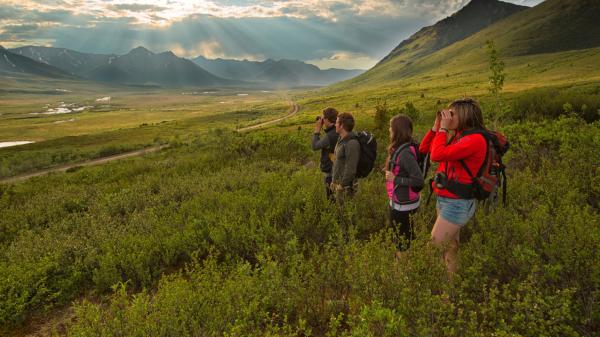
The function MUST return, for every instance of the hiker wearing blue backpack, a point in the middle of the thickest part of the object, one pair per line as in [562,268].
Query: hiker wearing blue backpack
[404,180]
[459,156]
[347,155]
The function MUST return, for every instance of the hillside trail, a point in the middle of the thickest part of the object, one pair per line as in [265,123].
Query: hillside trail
[294,108]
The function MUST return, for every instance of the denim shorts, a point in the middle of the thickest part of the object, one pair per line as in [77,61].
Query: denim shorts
[456,211]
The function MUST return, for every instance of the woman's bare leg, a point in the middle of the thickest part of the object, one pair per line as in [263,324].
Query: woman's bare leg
[445,235]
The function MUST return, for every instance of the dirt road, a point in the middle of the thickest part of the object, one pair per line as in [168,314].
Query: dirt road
[291,112]
[98,161]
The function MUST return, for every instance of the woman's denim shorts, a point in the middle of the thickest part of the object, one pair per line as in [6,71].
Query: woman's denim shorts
[456,211]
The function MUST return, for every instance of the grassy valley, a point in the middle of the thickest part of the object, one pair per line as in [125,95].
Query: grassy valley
[75,121]
[226,233]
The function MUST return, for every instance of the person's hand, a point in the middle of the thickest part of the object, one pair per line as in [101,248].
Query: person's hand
[446,119]
[389,176]
[436,123]
[318,125]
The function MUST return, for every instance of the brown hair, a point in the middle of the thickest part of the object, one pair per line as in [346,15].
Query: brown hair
[347,121]
[402,129]
[330,114]
[469,114]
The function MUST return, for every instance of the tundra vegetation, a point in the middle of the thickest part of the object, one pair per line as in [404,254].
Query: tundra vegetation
[230,234]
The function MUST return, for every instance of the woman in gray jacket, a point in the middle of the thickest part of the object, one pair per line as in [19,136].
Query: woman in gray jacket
[403,176]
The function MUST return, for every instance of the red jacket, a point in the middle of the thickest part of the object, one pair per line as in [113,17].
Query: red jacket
[471,149]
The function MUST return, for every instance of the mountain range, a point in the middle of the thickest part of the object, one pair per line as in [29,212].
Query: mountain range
[11,63]
[141,66]
[454,45]
[283,72]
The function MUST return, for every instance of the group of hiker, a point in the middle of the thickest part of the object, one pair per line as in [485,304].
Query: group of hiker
[469,168]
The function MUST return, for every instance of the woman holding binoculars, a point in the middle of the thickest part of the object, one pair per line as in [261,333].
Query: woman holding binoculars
[457,155]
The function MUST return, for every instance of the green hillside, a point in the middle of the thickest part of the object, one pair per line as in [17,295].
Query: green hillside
[475,16]
[540,45]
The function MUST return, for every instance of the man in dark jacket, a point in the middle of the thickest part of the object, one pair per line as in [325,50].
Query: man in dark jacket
[326,145]
[347,155]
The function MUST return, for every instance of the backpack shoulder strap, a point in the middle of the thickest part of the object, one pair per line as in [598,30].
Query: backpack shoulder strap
[486,137]
[396,154]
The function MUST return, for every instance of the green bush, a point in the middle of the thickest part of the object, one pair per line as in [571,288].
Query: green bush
[232,235]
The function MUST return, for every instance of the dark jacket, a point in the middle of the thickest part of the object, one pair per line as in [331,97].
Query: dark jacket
[327,147]
[347,154]
[405,168]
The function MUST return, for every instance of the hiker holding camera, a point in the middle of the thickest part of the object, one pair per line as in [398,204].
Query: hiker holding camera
[326,145]
[458,156]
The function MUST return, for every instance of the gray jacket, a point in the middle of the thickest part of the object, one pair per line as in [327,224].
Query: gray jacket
[408,175]
[347,154]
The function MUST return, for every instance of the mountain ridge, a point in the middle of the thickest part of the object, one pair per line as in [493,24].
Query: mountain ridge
[12,63]
[465,22]
[138,66]
[525,34]
[284,71]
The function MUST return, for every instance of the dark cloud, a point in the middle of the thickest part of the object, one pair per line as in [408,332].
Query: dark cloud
[59,15]
[9,12]
[14,33]
[314,37]
[138,8]
[276,37]
[18,29]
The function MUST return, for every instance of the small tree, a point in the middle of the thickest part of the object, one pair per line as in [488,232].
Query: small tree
[382,116]
[496,78]
[411,111]
[497,67]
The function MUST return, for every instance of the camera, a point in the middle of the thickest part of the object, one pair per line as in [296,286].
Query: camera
[318,118]
[441,180]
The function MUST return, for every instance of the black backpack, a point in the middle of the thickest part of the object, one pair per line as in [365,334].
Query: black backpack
[368,153]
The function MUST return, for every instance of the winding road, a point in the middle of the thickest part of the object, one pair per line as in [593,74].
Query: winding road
[294,108]
[291,112]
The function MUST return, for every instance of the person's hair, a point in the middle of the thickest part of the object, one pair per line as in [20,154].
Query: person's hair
[330,114]
[402,129]
[469,114]
[347,121]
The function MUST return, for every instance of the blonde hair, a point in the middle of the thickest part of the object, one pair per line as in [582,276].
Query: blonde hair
[469,114]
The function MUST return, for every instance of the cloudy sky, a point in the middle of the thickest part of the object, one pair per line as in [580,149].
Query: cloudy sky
[328,33]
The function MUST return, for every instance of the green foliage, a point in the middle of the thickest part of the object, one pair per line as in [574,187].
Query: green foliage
[383,114]
[232,235]
[496,67]
[382,117]
[411,111]
[262,255]
[539,104]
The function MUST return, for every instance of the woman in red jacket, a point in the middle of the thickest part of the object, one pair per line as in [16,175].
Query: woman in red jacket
[455,154]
